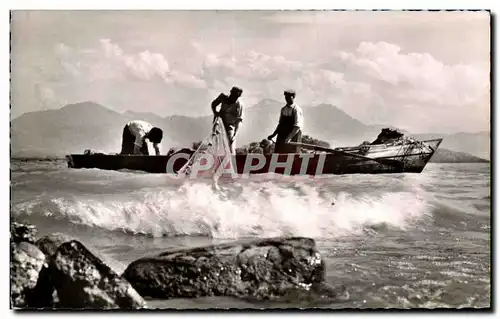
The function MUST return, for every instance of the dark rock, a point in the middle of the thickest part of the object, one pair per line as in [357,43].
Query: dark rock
[84,281]
[259,268]
[23,232]
[50,243]
[26,262]
[44,295]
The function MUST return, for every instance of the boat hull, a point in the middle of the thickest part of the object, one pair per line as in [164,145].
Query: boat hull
[411,160]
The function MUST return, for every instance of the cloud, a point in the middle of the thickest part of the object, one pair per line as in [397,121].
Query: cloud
[110,62]
[422,77]
[393,81]
[267,76]
[122,79]
[187,80]
[143,65]
[378,82]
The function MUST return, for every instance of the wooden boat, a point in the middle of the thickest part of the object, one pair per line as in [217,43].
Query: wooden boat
[400,156]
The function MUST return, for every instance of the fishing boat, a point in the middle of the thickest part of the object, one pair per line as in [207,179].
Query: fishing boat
[403,155]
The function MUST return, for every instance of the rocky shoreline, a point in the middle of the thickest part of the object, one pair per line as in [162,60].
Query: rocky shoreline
[59,272]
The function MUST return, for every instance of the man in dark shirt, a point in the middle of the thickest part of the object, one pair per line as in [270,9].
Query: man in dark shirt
[231,113]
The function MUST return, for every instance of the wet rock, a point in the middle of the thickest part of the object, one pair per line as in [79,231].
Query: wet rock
[50,243]
[23,232]
[26,263]
[84,281]
[44,295]
[260,268]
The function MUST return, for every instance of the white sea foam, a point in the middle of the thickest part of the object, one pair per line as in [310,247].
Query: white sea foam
[239,209]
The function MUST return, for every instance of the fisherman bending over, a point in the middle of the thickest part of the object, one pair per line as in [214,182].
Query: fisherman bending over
[289,127]
[231,113]
[134,138]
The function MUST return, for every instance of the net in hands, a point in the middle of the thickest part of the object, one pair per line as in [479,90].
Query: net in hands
[213,157]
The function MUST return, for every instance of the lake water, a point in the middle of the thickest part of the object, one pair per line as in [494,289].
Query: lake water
[395,241]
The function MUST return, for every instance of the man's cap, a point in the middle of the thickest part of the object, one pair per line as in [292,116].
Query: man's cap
[236,88]
[290,92]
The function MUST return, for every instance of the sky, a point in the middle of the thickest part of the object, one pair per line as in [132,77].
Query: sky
[420,71]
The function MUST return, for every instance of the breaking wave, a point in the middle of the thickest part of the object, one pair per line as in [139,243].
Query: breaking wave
[321,208]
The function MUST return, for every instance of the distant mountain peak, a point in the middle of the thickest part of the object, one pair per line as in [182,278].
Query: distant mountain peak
[267,103]
[330,107]
[130,112]
[88,124]
[328,110]
[83,104]
[326,105]
[86,108]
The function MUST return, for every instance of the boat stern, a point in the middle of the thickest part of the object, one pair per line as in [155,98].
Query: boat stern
[69,160]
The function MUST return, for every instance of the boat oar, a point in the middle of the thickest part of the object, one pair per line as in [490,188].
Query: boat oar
[326,149]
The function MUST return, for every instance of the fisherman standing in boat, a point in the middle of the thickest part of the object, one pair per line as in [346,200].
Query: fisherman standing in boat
[231,113]
[134,138]
[289,127]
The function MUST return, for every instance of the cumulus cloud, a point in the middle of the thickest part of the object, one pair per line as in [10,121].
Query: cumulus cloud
[109,61]
[376,83]
[187,80]
[144,65]
[122,79]
[267,76]
[416,81]
[424,78]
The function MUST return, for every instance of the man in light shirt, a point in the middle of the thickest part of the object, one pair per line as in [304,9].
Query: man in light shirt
[231,113]
[134,138]
[289,127]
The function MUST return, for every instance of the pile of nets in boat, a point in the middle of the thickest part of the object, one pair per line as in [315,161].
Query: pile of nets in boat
[387,135]
[390,137]
[405,140]
[212,158]
[393,137]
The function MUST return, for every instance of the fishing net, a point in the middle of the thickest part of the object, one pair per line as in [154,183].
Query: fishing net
[212,158]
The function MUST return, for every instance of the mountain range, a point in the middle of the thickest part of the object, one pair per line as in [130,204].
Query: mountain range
[88,125]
